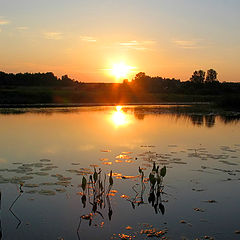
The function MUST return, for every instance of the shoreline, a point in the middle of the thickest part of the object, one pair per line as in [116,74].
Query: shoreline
[56,105]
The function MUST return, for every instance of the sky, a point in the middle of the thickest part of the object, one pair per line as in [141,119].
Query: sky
[86,38]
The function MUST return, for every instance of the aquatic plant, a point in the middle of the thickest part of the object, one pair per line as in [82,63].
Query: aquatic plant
[14,202]
[156,189]
[96,192]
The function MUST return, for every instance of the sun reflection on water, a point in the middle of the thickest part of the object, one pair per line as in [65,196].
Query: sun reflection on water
[119,117]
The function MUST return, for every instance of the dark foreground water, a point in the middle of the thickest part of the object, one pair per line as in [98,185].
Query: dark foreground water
[44,154]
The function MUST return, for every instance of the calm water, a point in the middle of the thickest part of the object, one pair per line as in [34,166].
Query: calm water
[49,151]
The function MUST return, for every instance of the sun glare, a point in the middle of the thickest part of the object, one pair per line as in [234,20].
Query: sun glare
[119,118]
[119,108]
[121,70]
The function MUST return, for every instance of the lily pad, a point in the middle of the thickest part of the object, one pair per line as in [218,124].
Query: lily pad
[31,185]
[61,190]
[31,191]
[41,173]
[45,160]
[47,192]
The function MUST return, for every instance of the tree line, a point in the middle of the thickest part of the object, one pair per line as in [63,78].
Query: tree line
[200,82]
[35,79]
[199,76]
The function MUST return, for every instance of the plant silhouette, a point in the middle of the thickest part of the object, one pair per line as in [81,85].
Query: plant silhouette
[96,193]
[156,189]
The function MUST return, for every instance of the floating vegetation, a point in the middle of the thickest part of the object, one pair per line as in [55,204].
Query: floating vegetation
[125,196]
[154,232]
[129,161]
[107,163]
[41,173]
[104,159]
[47,184]
[123,156]
[31,185]
[27,177]
[183,221]
[228,163]
[128,228]
[211,201]
[198,210]
[107,150]
[45,160]
[63,183]
[93,165]
[227,149]
[147,146]
[130,177]
[46,169]
[46,192]
[80,171]
[125,236]
[60,190]
[179,162]
[198,190]
[118,161]
[38,165]
[113,191]
[31,191]
[208,237]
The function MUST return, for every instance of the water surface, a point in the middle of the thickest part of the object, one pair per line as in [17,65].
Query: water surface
[200,150]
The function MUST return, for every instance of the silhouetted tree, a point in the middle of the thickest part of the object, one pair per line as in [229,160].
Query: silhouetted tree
[211,75]
[66,80]
[156,84]
[34,79]
[198,77]
[140,76]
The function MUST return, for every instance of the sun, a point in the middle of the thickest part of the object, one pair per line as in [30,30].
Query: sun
[119,117]
[121,70]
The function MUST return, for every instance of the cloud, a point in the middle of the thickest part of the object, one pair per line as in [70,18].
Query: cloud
[187,44]
[87,39]
[4,22]
[137,45]
[22,28]
[129,43]
[53,35]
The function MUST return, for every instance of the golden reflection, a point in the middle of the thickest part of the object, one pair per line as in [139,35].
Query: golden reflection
[119,118]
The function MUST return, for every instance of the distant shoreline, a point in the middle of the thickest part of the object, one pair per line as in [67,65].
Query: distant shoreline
[56,105]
